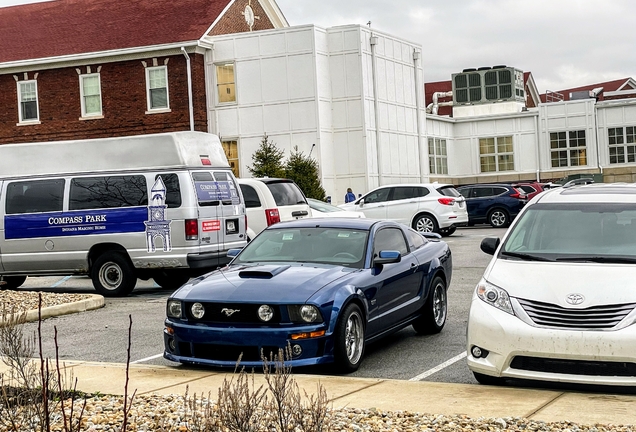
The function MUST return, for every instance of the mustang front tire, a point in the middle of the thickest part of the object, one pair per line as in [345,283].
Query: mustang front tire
[349,339]
[434,310]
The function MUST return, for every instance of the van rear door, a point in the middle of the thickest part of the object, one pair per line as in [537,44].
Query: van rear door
[231,212]
[208,203]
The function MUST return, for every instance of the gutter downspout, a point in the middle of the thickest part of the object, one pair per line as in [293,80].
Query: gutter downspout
[598,149]
[537,144]
[416,57]
[190,104]
[376,106]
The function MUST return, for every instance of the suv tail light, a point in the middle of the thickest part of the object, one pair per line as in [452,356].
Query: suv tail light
[446,201]
[272,216]
[518,195]
[191,229]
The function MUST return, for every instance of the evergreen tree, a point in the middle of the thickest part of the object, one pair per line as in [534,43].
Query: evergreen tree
[304,171]
[267,160]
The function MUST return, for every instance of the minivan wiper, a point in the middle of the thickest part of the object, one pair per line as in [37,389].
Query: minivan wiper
[599,259]
[525,256]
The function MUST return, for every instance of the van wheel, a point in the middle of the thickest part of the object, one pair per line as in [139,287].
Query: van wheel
[11,282]
[113,275]
[171,279]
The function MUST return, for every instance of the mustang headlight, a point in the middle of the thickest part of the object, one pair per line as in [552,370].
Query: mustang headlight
[174,309]
[494,296]
[304,313]
[197,310]
[265,313]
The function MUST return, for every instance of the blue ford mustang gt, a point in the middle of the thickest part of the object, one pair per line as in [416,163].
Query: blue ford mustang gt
[320,289]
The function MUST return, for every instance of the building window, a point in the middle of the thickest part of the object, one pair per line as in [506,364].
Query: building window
[437,158]
[567,149]
[28,98]
[157,85]
[496,154]
[226,88]
[91,94]
[622,144]
[231,152]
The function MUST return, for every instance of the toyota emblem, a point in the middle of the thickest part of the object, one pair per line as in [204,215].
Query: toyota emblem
[229,312]
[575,299]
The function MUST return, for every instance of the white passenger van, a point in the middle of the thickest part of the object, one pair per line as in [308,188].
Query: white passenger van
[163,206]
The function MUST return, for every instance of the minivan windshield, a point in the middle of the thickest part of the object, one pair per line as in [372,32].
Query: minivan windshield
[586,232]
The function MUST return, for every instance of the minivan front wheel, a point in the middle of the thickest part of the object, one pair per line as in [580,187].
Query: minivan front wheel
[498,218]
[425,223]
[113,275]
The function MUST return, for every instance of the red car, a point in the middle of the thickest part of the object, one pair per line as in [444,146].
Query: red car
[530,188]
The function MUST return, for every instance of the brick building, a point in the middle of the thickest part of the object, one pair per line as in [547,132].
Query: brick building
[73,69]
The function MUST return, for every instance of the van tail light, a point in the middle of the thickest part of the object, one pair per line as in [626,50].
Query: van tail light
[446,201]
[191,229]
[272,216]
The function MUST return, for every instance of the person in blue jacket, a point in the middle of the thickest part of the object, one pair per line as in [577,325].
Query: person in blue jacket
[350,196]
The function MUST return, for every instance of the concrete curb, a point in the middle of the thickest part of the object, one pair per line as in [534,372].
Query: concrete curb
[94,302]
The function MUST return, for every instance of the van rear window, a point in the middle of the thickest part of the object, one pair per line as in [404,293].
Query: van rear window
[35,196]
[108,192]
[212,191]
[286,193]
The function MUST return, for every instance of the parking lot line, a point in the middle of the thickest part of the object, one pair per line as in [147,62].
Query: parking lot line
[147,359]
[61,281]
[439,367]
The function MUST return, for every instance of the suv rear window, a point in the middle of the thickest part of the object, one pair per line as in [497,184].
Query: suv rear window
[448,191]
[286,193]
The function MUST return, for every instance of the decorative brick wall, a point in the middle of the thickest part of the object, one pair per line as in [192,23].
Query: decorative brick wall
[234,21]
[123,100]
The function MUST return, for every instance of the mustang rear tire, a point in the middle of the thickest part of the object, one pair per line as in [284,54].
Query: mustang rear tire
[349,340]
[171,279]
[11,282]
[113,275]
[434,310]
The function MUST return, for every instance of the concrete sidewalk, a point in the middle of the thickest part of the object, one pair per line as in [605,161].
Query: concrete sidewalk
[382,394]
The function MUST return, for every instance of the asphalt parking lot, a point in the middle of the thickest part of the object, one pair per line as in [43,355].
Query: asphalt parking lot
[102,335]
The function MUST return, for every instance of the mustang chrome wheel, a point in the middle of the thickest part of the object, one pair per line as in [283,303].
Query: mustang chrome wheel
[354,337]
[439,304]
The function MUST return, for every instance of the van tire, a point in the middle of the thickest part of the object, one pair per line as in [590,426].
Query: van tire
[113,275]
[171,279]
[11,282]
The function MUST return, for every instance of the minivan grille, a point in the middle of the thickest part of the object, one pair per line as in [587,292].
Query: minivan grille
[574,367]
[592,318]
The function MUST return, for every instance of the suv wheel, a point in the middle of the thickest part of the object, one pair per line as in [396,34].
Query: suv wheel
[425,223]
[498,218]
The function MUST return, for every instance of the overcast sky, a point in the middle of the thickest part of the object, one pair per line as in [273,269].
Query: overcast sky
[564,43]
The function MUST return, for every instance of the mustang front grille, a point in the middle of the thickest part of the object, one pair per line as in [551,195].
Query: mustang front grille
[574,367]
[592,318]
[235,313]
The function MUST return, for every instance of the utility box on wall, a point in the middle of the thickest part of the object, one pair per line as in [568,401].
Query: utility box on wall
[488,85]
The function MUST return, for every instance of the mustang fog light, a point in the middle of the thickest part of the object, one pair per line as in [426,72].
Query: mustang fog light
[265,313]
[297,350]
[197,310]
[309,313]
[172,345]
[174,308]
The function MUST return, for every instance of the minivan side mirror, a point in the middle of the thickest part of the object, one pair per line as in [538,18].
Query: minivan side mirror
[489,245]
[361,202]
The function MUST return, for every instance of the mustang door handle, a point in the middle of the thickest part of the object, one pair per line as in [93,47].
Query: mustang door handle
[300,213]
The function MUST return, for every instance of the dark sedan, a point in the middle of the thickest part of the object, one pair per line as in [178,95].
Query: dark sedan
[321,289]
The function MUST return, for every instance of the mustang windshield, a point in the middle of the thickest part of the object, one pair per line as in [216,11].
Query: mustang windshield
[575,232]
[313,245]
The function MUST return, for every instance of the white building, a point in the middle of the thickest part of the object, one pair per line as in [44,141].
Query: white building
[325,90]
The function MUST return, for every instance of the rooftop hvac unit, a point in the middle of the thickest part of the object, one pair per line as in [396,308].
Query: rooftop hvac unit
[488,85]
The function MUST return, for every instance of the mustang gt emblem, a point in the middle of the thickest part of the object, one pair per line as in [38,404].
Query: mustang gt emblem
[575,299]
[229,312]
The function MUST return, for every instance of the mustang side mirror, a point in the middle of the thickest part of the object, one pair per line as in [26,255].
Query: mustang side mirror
[233,252]
[489,245]
[388,257]
[431,235]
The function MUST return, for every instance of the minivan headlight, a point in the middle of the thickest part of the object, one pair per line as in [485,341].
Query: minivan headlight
[174,308]
[494,296]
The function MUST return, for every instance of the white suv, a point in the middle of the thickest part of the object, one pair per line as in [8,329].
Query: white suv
[427,207]
[271,200]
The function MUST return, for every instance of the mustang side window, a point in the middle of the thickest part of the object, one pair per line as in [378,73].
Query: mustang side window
[389,239]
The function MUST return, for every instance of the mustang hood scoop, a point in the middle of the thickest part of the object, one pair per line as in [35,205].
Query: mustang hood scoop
[264,272]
